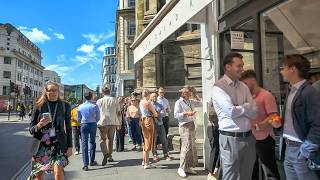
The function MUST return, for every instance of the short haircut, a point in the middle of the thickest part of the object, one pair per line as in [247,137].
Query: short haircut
[248,74]
[88,95]
[106,90]
[299,62]
[228,59]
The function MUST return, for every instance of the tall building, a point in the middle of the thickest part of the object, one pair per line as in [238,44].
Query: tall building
[125,32]
[173,63]
[53,76]
[20,63]
[73,93]
[109,66]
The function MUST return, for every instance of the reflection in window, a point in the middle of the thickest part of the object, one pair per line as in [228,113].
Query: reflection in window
[226,5]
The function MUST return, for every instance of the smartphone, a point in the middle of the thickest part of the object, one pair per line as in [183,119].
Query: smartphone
[47,116]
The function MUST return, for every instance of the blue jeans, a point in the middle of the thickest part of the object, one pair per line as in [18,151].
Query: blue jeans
[86,130]
[295,165]
[136,131]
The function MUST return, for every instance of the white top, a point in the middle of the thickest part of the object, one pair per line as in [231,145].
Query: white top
[182,106]
[109,108]
[288,129]
[165,103]
[234,105]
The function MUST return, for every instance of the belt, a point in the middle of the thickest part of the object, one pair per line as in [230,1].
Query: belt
[236,134]
[292,143]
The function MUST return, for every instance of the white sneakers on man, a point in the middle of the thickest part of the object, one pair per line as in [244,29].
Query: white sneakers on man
[181,173]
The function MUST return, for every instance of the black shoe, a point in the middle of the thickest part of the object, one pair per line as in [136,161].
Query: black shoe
[105,159]
[110,159]
[85,168]
[94,163]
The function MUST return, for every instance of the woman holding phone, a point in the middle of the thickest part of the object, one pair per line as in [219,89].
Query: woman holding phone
[184,111]
[51,125]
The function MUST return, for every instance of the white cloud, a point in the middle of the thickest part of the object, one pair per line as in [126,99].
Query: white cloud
[35,35]
[61,58]
[103,47]
[59,36]
[86,48]
[61,70]
[98,38]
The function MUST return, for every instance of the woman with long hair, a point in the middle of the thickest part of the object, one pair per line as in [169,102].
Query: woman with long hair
[51,125]
[133,116]
[148,115]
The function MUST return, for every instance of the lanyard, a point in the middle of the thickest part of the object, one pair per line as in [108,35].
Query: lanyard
[55,111]
[188,104]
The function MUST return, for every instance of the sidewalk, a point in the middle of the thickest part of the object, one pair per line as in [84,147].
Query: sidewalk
[127,165]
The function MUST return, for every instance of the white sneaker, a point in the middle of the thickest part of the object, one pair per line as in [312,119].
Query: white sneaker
[76,153]
[181,173]
[142,163]
[191,171]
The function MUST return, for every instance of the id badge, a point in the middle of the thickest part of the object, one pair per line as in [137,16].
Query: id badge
[52,132]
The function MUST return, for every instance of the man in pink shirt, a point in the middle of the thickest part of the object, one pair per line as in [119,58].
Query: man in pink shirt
[261,128]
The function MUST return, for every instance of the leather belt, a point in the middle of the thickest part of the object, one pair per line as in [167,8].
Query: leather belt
[292,143]
[236,134]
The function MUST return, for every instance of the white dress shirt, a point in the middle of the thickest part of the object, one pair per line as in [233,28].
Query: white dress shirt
[182,106]
[234,105]
[288,129]
[165,103]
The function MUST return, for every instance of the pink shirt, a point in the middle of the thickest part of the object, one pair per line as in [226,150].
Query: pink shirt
[266,105]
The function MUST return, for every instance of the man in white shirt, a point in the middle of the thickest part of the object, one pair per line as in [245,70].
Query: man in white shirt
[165,113]
[235,107]
[108,123]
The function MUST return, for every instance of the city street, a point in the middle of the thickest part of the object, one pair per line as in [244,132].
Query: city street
[127,165]
[14,142]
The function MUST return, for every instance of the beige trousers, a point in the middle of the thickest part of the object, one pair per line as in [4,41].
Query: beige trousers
[106,136]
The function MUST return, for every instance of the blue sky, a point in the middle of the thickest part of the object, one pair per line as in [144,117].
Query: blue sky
[71,34]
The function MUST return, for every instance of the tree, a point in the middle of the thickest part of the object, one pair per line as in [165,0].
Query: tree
[70,97]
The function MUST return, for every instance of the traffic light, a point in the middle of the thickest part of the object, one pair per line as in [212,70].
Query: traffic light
[16,89]
[11,86]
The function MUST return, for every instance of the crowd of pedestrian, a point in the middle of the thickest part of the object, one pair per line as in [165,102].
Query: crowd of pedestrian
[244,122]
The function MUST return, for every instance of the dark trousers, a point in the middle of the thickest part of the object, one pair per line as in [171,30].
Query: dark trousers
[88,129]
[135,131]
[265,150]
[165,121]
[120,138]
[76,137]
[213,136]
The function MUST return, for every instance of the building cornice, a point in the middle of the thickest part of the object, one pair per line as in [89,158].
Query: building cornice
[154,22]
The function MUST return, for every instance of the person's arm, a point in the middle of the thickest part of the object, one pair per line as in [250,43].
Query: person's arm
[34,121]
[250,105]
[313,115]
[270,107]
[168,110]
[222,100]
[97,114]
[151,108]
[79,116]
[67,121]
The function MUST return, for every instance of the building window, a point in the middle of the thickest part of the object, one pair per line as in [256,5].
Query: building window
[131,28]
[226,5]
[19,76]
[131,3]
[147,5]
[6,90]
[7,74]
[7,60]
[20,64]
[130,60]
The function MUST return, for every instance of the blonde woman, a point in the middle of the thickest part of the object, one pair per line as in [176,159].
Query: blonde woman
[184,111]
[51,124]
[133,116]
[148,115]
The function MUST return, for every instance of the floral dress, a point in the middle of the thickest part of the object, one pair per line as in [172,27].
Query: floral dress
[48,155]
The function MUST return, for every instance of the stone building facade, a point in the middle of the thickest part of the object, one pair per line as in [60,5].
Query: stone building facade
[109,66]
[20,63]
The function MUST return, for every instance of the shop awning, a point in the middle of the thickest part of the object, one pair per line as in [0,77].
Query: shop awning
[169,19]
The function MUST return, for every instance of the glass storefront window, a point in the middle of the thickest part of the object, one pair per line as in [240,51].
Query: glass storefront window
[248,47]
[226,5]
[288,28]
